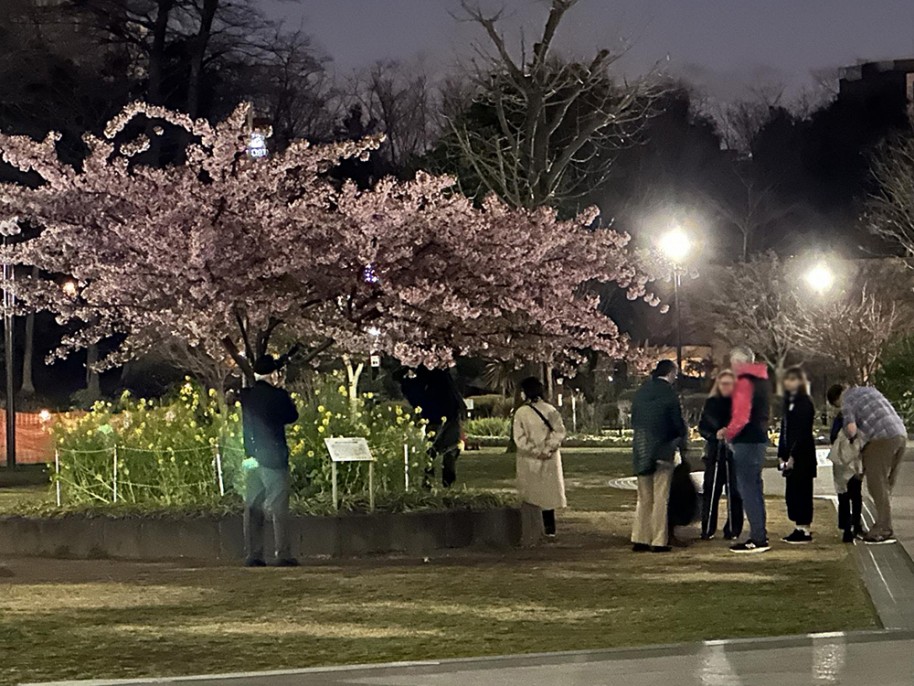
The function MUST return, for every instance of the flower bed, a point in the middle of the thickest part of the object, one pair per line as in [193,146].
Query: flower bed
[187,450]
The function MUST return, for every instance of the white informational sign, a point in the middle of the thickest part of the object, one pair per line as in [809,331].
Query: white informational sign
[822,457]
[349,450]
[470,403]
[375,361]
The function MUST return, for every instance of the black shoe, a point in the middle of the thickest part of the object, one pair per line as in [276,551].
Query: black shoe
[798,536]
[641,548]
[286,562]
[848,537]
[661,548]
[254,562]
[750,547]
[707,537]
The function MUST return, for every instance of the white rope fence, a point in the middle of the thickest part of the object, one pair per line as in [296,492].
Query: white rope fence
[119,484]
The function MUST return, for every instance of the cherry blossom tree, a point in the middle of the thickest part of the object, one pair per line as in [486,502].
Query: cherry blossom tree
[219,250]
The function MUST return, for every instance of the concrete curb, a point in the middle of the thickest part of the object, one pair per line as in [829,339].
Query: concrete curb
[220,538]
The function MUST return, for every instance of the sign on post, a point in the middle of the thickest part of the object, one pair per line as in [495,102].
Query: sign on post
[350,450]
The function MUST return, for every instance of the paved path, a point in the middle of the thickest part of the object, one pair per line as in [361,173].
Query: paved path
[869,659]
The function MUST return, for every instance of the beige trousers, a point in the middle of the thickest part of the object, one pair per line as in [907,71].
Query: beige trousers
[881,460]
[651,514]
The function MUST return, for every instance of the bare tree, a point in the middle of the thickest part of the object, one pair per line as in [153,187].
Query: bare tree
[758,304]
[401,103]
[748,206]
[542,130]
[890,208]
[854,333]
[852,327]
[290,85]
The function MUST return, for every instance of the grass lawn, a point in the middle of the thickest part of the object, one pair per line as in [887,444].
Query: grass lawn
[69,619]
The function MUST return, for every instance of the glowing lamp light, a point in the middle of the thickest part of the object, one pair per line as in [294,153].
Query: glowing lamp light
[44,416]
[70,288]
[676,245]
[257,145]
[374,331]
[820,278]
[369,275]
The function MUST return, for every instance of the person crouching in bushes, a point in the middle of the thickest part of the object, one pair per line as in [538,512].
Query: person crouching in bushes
[659,431]
[718,461]
[847,470]
[538,433]
[797,454]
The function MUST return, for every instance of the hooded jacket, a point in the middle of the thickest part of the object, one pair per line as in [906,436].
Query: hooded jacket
[749,420]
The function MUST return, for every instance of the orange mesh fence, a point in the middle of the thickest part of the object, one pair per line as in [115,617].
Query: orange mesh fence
[34,444]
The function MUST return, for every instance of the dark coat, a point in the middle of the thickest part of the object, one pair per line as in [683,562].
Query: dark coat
[265,412]
[797,440]
[714,416]
[658,426]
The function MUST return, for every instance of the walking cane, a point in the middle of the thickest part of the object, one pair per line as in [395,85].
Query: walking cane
[723,455]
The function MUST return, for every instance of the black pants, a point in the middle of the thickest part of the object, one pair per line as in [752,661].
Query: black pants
[549,522]
[719,473]
[798,494]
[850,507]
[445,442]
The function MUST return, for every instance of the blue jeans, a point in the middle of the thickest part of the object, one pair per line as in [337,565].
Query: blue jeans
[748,461]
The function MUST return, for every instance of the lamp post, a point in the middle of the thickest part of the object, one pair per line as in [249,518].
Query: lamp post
[676,246]
[820,278]
[9,302]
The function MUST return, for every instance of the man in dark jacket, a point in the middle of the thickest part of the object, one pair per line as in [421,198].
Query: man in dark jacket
[747,432]
[659,430]
[266,409]
[443,408]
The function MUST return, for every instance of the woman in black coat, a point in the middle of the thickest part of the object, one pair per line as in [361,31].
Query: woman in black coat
[797,454]
[719,462]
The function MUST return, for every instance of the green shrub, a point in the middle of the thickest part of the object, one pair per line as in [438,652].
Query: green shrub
[488,426]
[895,377]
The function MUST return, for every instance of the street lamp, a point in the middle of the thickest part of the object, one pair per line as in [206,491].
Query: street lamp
[820,278]
[676,245]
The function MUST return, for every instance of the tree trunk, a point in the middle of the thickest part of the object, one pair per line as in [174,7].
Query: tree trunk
[157,50]
[28,379]
[198,47]
[548,381]
[353,374]
[93,381]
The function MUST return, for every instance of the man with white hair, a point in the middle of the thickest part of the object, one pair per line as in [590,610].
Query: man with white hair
[748,434]
[266,409]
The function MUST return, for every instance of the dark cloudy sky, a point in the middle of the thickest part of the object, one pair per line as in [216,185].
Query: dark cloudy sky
[721,44]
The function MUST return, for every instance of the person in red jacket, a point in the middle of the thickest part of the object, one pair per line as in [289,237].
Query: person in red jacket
[747,432]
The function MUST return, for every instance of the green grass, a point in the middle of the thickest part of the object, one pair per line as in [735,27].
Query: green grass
[72,619]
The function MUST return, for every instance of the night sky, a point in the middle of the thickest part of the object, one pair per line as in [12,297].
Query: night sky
[722,45]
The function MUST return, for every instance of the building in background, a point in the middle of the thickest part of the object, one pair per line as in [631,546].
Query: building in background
[878,84]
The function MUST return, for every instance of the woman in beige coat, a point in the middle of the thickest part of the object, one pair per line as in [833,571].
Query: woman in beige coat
[538,433]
